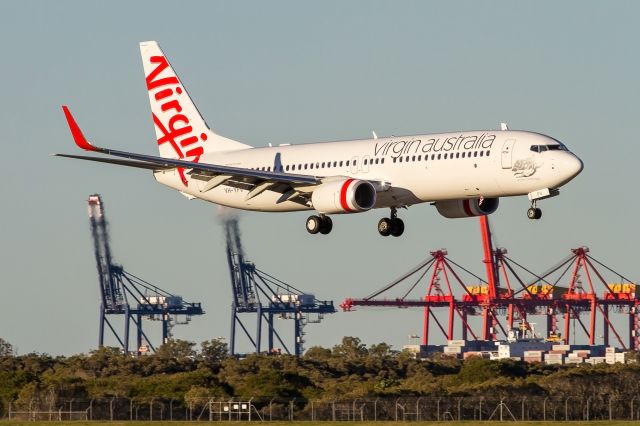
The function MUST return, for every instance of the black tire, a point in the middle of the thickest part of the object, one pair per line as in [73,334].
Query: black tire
[384,226]
[397,228]
[531,213]
[326,225]
[538,214]
[313,224]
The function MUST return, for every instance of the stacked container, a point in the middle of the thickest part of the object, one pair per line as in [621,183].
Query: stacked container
[532,356]
[554,358]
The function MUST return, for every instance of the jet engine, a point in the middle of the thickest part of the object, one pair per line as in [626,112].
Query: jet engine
[467,207]
[344,196]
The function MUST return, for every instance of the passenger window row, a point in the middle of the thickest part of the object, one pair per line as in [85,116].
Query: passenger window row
[371,161]
[320,165]
[445,156]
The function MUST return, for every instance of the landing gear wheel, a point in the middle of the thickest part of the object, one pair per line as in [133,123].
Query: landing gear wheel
[397,227]
[313,224]
[326,225]
[531,213]
[385,225]
[534,213]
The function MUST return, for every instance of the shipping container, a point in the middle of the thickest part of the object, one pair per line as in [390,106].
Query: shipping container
[295,299]
[553,356]
[452,349]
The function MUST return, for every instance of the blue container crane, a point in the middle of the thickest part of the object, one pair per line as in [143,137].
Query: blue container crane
[125,295]
[264,296]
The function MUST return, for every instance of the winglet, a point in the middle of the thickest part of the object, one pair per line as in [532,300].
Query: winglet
[78,137]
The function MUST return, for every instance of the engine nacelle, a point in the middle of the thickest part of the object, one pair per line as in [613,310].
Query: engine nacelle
[467,207]
[344,196]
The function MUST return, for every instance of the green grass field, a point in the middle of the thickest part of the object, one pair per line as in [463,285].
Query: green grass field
[156,423]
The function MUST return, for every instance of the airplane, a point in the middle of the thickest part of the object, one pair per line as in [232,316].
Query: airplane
[463,174]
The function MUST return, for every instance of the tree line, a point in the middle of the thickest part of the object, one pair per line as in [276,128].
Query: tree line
[179,370]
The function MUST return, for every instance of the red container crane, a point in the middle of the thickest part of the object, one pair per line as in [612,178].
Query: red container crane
[494,297]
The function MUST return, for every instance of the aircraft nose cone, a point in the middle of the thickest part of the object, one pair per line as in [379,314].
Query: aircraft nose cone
[574,166]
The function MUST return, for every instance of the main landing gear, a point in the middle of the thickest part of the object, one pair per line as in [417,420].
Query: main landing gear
[391,225]
[322,224]
[534,213]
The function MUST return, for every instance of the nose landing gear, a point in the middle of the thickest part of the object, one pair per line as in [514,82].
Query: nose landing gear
[534,213]
[391,225]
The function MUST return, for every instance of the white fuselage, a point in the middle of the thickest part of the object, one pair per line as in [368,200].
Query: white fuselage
[415,169]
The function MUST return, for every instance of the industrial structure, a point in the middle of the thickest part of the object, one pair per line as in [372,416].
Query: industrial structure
[265,297]
[129,297]
[574,290]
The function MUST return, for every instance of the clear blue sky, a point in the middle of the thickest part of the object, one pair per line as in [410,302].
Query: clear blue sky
[287,72]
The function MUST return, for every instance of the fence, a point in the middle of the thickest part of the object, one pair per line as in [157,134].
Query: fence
[380,409]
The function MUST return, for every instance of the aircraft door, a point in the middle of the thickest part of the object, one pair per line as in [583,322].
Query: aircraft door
[507,151]
[366,161]
[354,165]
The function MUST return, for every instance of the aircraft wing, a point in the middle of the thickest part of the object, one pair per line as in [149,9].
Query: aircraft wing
[256,181]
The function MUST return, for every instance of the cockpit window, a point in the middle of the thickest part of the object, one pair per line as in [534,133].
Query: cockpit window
[538,148]
[559,147]
[542,148]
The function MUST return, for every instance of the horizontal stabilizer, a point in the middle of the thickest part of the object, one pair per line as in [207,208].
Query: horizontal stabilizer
[128,163]
[160,163]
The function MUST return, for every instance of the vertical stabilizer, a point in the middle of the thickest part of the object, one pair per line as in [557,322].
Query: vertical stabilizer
[181,131]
